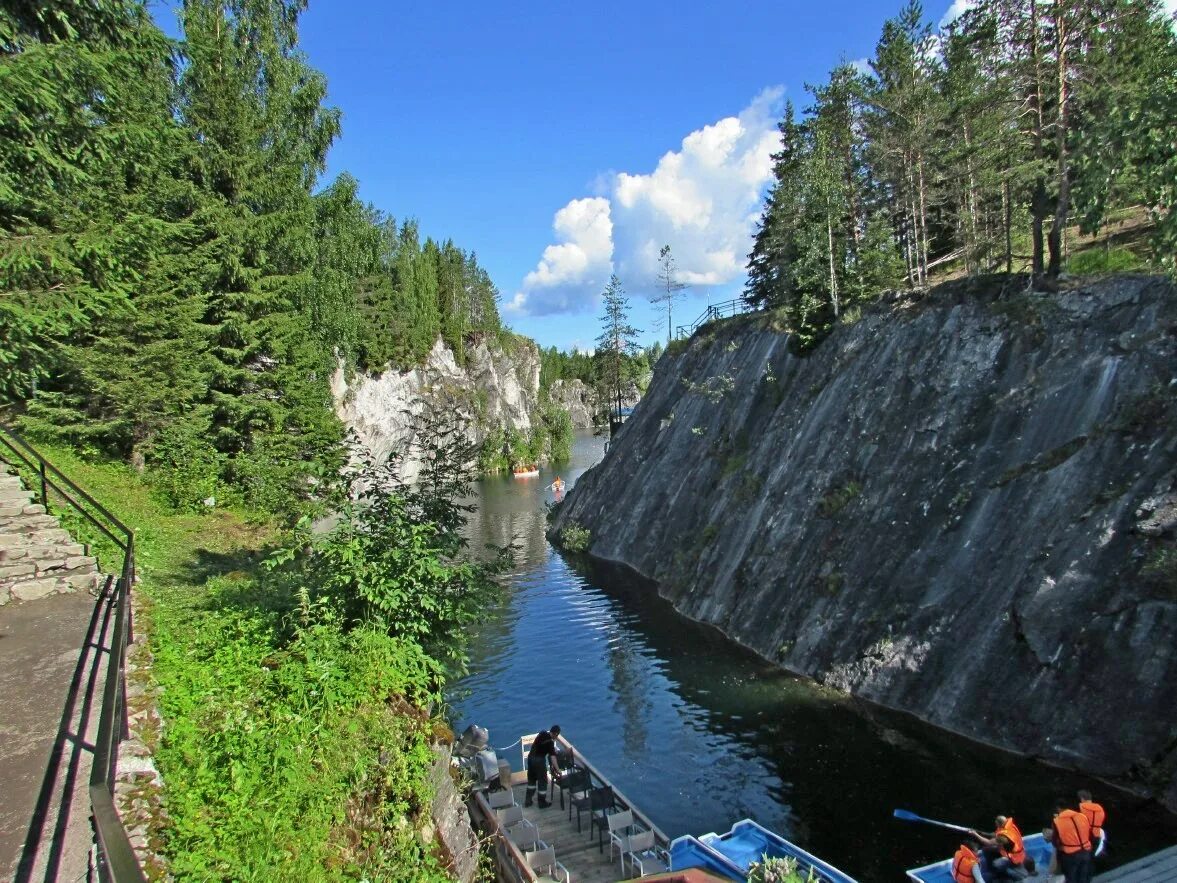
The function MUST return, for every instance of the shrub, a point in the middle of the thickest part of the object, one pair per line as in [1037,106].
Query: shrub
[575,538]
[185,469]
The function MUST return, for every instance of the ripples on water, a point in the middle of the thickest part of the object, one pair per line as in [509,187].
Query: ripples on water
[701,734]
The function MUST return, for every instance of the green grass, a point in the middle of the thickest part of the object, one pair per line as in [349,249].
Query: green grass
[1105,260]
[291,749]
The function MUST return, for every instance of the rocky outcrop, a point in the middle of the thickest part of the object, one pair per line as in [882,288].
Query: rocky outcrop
[962,507]
[579,400]
[497,388]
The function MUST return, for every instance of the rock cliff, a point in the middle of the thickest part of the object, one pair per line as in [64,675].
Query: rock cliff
[497,388]
[962,507]
[579,400]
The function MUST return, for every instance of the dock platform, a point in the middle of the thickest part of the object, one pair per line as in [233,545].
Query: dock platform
[1160,867]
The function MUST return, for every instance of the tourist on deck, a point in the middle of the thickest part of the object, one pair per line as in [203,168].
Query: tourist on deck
[1071,835]
[1005,850]
[967,865]
[543,754]
[1096,816]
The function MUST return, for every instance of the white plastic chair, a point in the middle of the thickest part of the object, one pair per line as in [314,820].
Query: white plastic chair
[501,799]
[544,859]
[645,855]
[519,830]
[619,825]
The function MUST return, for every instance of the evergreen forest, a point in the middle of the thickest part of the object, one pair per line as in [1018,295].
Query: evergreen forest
[177,283]
[977,149]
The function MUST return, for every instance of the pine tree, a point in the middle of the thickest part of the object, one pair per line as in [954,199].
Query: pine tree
[616,344]
[669,288]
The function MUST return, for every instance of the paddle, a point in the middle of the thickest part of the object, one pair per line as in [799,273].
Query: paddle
[912,817]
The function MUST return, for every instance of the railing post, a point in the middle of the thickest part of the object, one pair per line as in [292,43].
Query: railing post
[44,487]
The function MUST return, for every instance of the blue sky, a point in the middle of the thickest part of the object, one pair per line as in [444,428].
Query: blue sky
[563,141]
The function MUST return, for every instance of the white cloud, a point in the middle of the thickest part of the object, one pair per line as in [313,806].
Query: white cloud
[956,10]
[583,258]
[702,199]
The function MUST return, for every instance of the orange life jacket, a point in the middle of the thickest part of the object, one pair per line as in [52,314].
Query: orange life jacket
[1072,832]
[1095,815]
[963,863]
[1017,852]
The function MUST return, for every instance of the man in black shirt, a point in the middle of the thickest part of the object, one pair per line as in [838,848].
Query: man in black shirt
[539,758]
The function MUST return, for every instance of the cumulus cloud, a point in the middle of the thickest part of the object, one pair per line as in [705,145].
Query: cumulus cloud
[956,10]
[702,199]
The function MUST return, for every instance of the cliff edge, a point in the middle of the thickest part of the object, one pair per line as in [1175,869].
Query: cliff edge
[962,507]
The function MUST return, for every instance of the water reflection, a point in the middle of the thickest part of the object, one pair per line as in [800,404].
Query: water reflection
[703,734]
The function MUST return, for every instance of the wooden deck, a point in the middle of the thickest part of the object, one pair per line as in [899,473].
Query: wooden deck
[580,855]
[1159,867]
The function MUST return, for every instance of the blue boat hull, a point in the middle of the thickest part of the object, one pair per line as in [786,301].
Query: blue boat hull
[731,854]
[941,872]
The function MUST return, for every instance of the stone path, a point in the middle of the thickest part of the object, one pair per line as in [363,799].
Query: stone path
[52,668]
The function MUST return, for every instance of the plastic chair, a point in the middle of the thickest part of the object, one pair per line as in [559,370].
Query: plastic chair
[544,859]
[519,830]
[501,799]
[594,801]
[645,855]
[619,826]
[576,782]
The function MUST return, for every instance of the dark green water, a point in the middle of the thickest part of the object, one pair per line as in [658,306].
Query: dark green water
[701,733]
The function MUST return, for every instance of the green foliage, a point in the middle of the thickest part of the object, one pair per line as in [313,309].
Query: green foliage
[575,537]
[166,266]
[185,468]
[837,499]
[1105,260]
[558,425]
[1160,571]
[617,343]
[778,870]
[293,747]
[969,146]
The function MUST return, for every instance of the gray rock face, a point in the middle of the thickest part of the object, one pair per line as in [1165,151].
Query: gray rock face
[952,508]
[495,389]
[578,400]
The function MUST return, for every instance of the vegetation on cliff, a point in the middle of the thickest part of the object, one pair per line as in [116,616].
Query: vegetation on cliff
[980,144]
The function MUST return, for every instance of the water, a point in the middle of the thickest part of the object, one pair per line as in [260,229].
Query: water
[700,733]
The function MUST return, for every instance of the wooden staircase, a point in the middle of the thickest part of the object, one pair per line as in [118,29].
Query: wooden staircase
[37,557]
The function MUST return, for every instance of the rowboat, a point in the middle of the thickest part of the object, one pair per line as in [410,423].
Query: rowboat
[530,471]
[731,855]
[1036,846]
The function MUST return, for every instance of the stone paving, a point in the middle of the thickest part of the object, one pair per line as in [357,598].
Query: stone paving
[52,669]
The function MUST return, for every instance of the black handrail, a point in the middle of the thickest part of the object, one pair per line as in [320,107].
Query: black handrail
[116,858]
[714,311]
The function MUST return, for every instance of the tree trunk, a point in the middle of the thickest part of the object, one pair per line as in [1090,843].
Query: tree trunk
[1007,211]
[1038,203]
[1062,171]
[833,274]
[923,190]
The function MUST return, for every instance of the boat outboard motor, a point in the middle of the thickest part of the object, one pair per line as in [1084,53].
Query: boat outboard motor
[472,741]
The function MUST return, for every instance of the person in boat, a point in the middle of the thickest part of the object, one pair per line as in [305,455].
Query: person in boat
[1005,851]
[1096,816]
[1071,836]
[969,865]
[541,757]
[558,485]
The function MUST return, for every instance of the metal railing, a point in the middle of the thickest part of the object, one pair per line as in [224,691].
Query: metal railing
[714,311]
[116,858]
